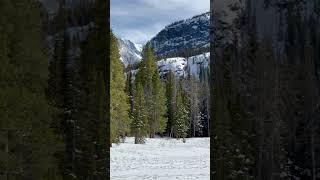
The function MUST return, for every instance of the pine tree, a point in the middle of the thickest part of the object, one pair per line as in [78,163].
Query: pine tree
[129,88]
[25,132]
[154,92]
[180,125]
[170,94]
[192,89]
[90,130]
[147,68]
[140,115]
[85,100]
[119,107]
[158,113]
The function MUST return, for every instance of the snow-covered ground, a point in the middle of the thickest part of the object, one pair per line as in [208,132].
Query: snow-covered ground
[162,159]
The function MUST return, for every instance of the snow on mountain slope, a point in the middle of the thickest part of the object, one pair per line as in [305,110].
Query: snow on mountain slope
[190,36]
[129,51]
[184,66]
[191,33]
[176,65]
[138,47]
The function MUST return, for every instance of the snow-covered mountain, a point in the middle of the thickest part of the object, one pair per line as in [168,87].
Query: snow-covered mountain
[182,37]
[188,34]
[130,52]
[184,66]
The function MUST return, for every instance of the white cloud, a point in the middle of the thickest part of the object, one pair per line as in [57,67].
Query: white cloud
[136,35]
[188,5]
[140,20]
[139,35]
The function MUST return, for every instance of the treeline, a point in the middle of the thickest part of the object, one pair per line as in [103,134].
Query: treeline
[144,105]
[27,142]
[53,109]
[266,106]
[78,83]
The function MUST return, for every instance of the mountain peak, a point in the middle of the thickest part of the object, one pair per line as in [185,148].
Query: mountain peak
[130,52]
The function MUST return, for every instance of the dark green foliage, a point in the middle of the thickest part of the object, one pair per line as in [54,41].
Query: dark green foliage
[120,122]
[265,100]
[139,125]
[89,127]
[170,94]
[45,100]
[129,88]
[27,142]
[158,107]
[153,90]
[78,88]
[181,115]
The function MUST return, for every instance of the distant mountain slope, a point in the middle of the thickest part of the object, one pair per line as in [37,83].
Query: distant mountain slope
[129,51]
[186,42]
[188,34]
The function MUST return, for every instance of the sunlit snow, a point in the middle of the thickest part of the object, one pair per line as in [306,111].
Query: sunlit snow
[182,66]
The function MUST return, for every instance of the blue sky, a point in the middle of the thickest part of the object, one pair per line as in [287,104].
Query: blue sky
[140,20]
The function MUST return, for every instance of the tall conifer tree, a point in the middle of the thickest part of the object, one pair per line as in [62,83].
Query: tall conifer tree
[170,94]
[139,115]
[153,90]
[158,119]
[180,124]
[120,122]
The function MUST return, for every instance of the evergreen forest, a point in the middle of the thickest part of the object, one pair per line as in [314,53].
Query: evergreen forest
[53,91]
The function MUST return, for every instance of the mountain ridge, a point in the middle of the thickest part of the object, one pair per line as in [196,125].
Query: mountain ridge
[191,33]
[189,56]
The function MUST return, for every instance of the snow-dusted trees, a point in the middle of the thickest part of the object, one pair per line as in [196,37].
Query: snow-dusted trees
[155,99]
[139,115]
[196,103]
[181,115]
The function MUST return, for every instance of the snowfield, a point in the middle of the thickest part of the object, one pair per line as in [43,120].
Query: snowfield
[162,159]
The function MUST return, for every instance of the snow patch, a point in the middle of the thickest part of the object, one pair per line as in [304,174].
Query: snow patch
[184,66]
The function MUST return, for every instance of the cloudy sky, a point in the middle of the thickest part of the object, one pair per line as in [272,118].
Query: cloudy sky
[140,20]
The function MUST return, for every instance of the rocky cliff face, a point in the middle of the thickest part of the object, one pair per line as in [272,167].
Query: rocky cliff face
[188,34]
